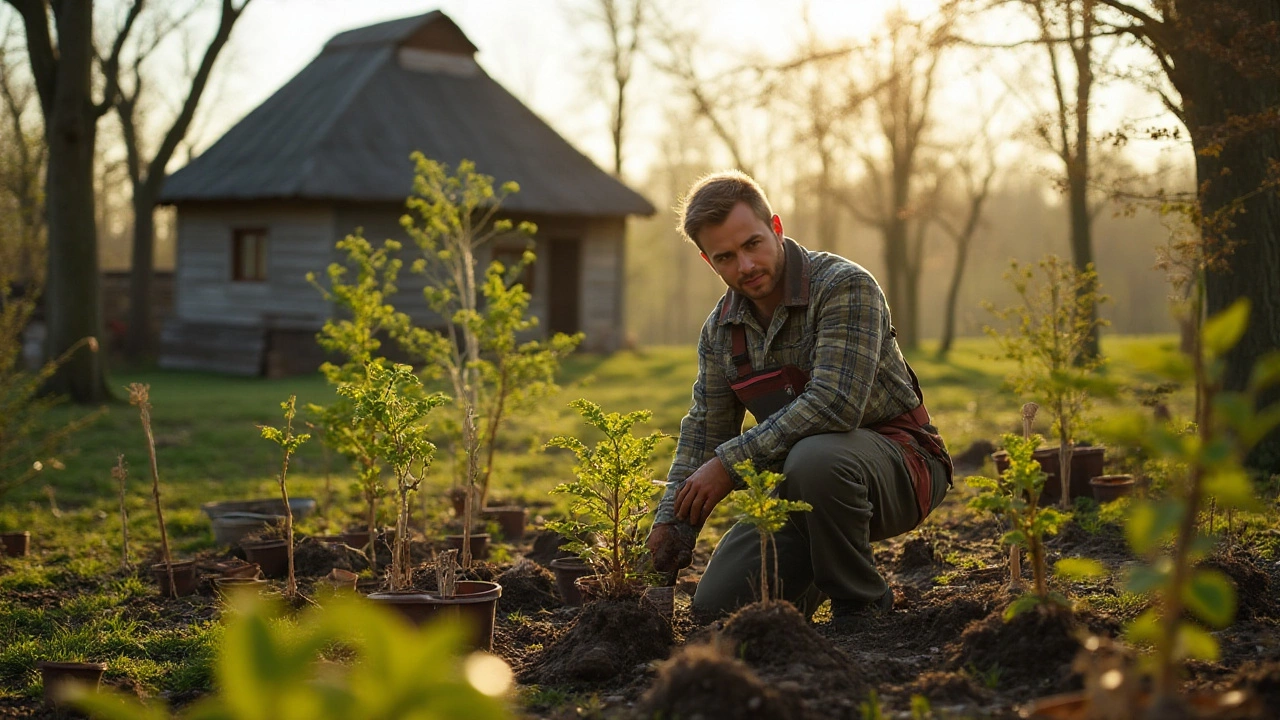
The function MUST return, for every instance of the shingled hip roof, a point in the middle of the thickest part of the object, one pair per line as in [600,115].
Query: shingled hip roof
[344,127]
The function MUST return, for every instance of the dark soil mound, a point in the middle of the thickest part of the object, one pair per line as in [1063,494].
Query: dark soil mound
[547,547]
[941,614]
[609,638]
[312,558]
[1033,650]
[917,552]
[1106,543]
[777,635]
[1254,596]
[950,688]
[527,587]
[975,455]
[702,682]
[1263,679]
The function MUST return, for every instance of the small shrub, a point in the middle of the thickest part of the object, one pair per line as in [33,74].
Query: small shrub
[759,506]
[289,444]
[610,497]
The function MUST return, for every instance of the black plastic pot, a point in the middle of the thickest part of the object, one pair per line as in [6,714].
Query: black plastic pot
[475,604]
[567,571]
[511,518]
[16,544]
[271,555]
[1107,488]
[479,545]
[185,578]
[228,585]
[57,675]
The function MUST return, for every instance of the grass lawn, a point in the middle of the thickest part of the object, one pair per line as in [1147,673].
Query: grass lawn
[209,449]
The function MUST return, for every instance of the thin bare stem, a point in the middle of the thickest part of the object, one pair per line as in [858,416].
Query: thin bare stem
[140,396]
[121,473]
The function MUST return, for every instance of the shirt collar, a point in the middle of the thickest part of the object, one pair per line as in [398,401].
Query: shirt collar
[795,285]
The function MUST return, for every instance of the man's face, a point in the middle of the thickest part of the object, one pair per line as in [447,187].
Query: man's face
[746,252]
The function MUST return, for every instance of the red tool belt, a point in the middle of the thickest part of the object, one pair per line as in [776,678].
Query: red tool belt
[769,391]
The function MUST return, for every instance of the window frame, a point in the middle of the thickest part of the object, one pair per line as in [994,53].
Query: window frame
[239,239]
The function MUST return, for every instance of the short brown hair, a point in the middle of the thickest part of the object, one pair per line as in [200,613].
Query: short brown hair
[711,199]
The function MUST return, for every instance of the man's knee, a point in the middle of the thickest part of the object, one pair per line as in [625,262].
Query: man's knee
[817,462]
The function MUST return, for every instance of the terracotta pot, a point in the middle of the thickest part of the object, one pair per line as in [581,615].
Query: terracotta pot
[340,580]
[1086,464]
[479,545]
[511,518]
[228,585]
[16,544]
[1233,704]
[567,571]
[238,568]
[185,578]
[57,675]
[475,604]
[271,555]
[1111,487]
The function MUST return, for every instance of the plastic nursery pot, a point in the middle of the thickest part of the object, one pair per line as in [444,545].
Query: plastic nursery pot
[567,571]
[237,568]
[233,527]
[475,604]
[229,585]
[16,544]
[357,538]
[1086,464]
[479,545]
[341,580]
[511,518]
[58,675]
[185,578]
[299,506]
[271,555]
[1111,487]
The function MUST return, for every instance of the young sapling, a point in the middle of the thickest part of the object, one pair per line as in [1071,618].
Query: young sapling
[140,397]
[759,506]
[610,497]
[289,444]
[393,403]
[1048,337]
[1015,498]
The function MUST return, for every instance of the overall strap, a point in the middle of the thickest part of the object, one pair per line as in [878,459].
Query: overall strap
[741,359]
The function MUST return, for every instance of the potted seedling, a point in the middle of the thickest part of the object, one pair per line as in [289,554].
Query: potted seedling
[759,506]
[1014,497]
[455,220]
[175,579]
[1047,337]
[353,334]
[515,376]
[289,444]
[608,500]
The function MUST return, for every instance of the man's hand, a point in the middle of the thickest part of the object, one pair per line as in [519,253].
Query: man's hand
[698,496]
[671,546]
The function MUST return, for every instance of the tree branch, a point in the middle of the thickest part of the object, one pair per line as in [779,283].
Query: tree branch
[111,66]
[44,59]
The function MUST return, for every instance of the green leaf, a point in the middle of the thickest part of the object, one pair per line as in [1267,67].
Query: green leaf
[1195,642]
[1222,331]
[1144,629]
[1212,597]
[1150,523]
[1232,489]
[1266,372]
[1019,606]
[1079,569]
[1146,578]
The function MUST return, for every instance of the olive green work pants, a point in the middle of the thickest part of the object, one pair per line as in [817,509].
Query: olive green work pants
[860,490]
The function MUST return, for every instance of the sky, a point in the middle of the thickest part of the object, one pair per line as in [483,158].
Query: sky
[532,47]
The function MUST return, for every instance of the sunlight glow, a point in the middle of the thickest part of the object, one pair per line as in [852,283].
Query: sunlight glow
[487,673]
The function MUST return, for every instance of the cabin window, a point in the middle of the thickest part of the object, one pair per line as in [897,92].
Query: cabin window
[509,256]
[249,255]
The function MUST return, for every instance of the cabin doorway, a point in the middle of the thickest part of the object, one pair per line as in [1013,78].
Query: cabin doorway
[564,299]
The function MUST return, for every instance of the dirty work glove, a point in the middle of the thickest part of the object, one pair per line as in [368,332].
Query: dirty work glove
[671,545]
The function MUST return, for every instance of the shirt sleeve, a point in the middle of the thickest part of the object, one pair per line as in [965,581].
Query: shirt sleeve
[852,322]
[714,416]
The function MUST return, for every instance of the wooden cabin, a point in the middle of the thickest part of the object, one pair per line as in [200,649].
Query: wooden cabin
[329,153]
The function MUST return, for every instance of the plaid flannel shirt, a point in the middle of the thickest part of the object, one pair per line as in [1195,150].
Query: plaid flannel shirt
[834,324]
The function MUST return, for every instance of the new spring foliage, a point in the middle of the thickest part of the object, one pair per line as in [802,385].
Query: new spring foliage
[610,496]
[759,506]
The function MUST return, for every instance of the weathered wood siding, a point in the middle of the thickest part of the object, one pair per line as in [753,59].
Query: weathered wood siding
[603,273]
[299,240]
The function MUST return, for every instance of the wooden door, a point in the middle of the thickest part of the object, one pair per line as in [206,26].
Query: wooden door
[564,299]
